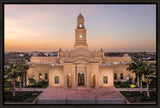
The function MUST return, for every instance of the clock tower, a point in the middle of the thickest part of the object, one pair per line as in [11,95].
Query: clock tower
[80,34]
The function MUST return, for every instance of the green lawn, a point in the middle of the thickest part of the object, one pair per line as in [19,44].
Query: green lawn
[23,96]
[137,97]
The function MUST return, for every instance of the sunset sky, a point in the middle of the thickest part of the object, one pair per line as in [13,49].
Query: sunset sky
[50,27]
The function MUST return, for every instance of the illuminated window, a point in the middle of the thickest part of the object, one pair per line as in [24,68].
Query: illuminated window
[40,76]
[46,76]
[105,79]
[80,25]
[56,80]
[121,76]
[115,76]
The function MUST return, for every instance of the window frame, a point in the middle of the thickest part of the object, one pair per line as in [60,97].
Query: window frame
[56,80]
[105,80]
[115,76]
[80,25]
[40,76]
[46,76]
[121,76]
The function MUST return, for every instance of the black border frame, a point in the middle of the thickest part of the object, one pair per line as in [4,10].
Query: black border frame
[2,2]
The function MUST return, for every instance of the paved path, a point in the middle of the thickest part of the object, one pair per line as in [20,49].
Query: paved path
[132,89]
[119,89]
[31,89]
[57,95]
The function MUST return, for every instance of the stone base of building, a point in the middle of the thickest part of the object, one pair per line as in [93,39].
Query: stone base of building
[82,101]
[56,95]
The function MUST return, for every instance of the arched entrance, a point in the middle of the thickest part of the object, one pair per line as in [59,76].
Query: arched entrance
[80,79]
[69,81]
[92,81]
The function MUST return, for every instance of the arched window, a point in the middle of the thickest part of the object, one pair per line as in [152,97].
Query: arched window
[115,76]
[121,76]
[105,80]
[46,76]
[80,25]
[40,75]
[56,80]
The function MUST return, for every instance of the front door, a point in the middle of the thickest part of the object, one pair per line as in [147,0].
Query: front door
[80,79]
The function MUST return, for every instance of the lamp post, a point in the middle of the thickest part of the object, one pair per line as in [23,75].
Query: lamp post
[34,85]
[128,82]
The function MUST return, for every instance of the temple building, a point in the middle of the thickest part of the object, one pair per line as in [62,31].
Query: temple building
[80,67]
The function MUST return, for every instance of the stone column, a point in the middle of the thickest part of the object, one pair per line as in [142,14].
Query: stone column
[97,76]
[75,76]
[65,81]
[87,78]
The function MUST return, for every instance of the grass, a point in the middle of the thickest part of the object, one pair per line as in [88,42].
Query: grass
[137,97]
[23,96]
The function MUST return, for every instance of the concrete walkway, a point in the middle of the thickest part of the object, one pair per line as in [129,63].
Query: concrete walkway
[30,89]
[57,95]
[132,89]
[119,89]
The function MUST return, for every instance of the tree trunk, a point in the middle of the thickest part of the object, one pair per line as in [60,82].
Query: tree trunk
[133,79]
[141,87]
[142,77]
[14,89]
[137,80]
[20,84]
[24,80]
[148,95]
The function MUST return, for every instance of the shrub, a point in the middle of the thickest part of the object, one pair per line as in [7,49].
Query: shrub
[31,81]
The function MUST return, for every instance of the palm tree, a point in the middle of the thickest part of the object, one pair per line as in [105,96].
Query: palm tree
[25,68]
[20,75]
[135,67]
[13,75]
[148,70]
[141,73]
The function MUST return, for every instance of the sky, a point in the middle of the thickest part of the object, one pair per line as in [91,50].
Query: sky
[48,27]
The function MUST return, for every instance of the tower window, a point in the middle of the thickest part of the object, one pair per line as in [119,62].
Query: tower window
[46,76]
[115,76]
[105,80]
[80,36]
[121,76]
[40,75]
[56,80]
[80,25]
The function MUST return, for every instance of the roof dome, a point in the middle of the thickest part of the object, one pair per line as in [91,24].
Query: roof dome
[80,16]
[125,55]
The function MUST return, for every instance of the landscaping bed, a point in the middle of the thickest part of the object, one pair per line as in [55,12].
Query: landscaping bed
[23,96]
[137,97]
[41,84]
